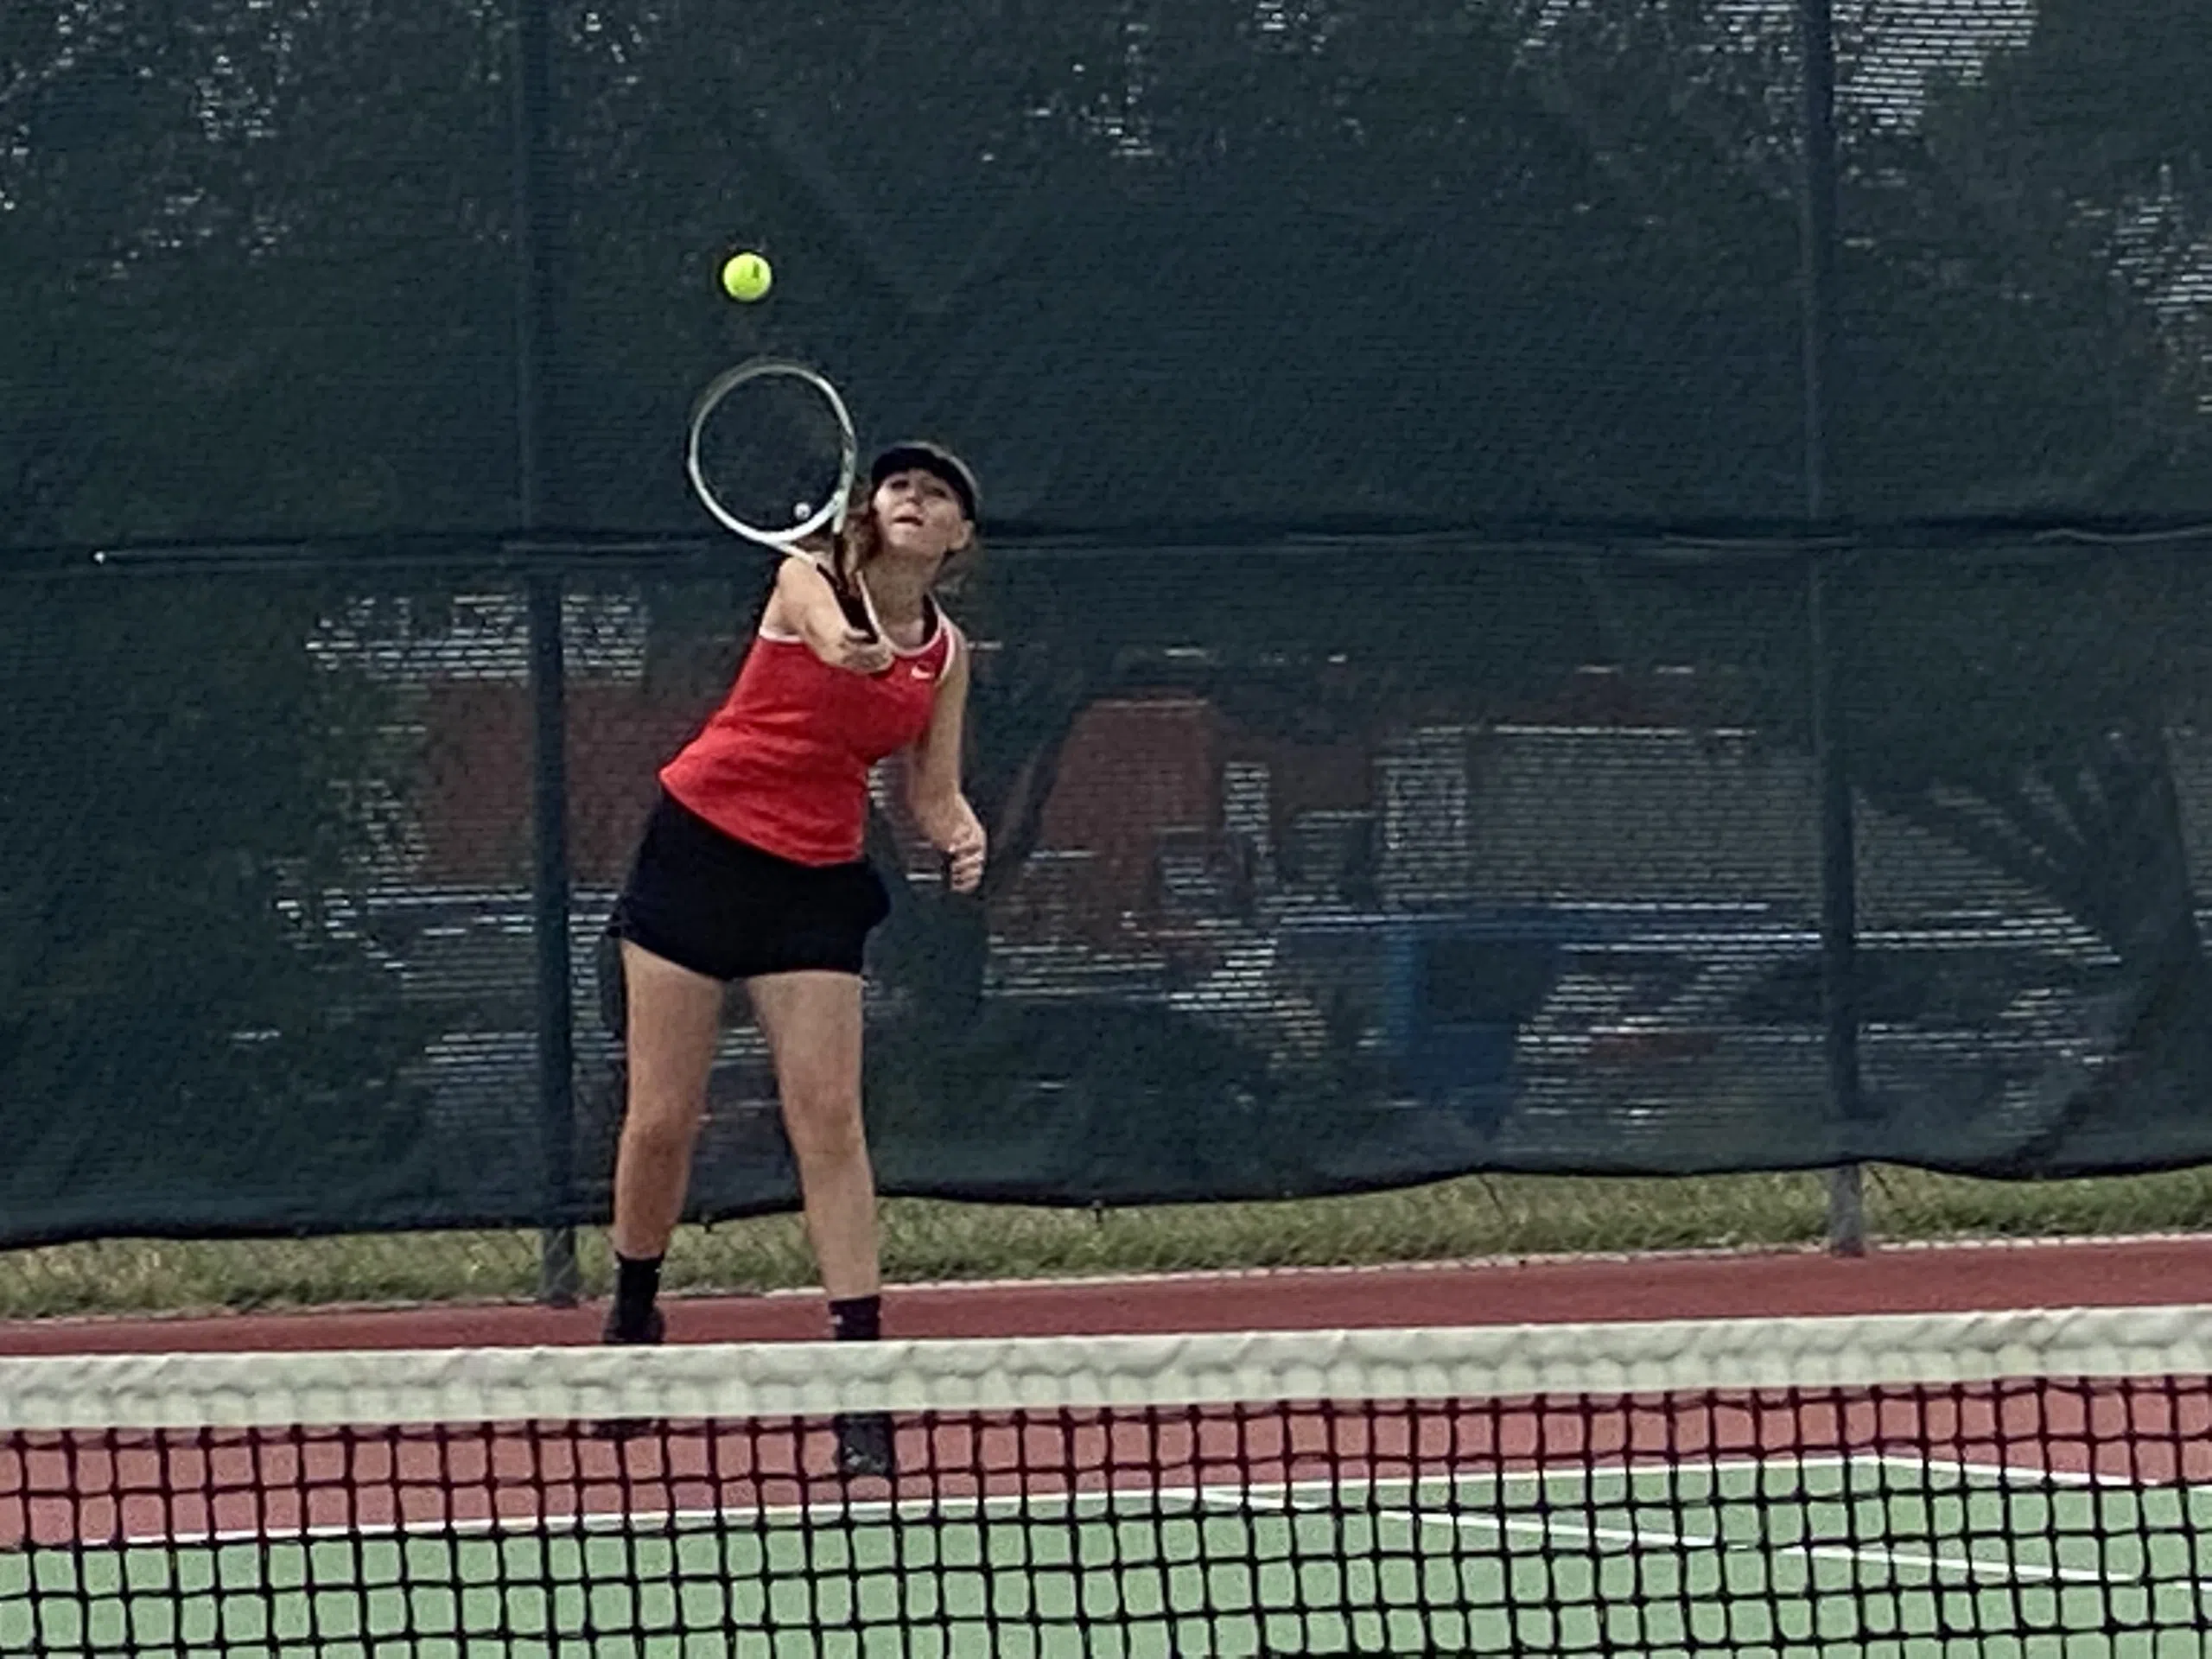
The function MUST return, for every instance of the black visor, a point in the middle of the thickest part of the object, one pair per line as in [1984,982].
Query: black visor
[917,456]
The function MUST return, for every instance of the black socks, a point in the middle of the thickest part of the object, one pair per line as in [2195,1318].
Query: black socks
[637,1288]
[637,1285]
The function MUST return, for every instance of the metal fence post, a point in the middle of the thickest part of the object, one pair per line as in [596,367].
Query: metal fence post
[558,1280]
[1847,1217]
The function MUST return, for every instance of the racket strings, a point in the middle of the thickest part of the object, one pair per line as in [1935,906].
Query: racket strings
[771,454]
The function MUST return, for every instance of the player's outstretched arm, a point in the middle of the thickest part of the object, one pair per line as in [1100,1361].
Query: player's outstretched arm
[805,603]
[933,781]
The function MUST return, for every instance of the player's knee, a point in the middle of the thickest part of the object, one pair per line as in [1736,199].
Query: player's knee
[660,1125]
[825,1128]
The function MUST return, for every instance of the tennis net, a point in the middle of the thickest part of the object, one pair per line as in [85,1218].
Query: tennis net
[2032,1483]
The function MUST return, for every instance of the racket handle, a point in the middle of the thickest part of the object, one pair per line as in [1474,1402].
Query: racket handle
[850,601]
[856,613]
[864,617]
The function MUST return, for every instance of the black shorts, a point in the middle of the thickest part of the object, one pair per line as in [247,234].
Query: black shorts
[707,901]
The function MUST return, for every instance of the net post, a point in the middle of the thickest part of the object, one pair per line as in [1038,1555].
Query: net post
[557,1276]
[1817,219]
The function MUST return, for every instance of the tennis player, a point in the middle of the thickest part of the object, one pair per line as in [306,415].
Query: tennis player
[751,870]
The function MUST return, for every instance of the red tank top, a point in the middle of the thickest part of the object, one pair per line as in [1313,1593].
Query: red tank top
[783,765]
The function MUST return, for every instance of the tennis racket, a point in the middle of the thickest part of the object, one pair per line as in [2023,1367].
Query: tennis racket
[772,453]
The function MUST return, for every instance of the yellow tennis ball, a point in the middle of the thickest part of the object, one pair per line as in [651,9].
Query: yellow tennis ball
[746,276]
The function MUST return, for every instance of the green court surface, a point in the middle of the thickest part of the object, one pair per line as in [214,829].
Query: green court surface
[1868,1556]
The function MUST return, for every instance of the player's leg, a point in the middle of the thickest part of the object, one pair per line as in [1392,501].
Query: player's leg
[812,1022]
[672,1023]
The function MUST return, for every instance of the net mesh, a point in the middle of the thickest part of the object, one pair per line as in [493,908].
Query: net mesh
[1893,1485]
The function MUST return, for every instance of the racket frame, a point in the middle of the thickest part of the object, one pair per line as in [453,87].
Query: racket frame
[830,515]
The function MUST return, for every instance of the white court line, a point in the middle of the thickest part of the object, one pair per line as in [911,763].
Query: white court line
[926,1508]
[2022,1474]
[1011,1505]
[1996,1478]
[1311,1496]
[1659,1538]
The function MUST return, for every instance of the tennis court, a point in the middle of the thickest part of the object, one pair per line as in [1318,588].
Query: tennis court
[2026,1483]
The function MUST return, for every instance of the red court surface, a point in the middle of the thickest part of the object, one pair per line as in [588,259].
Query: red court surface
[60,1489]
[1918,1279]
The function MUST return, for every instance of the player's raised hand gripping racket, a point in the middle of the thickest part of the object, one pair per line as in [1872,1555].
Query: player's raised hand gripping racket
[771,453]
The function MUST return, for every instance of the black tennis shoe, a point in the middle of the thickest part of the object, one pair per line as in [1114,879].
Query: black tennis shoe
[864,1445]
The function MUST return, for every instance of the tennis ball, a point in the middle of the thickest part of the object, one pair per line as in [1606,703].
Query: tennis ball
[746,276]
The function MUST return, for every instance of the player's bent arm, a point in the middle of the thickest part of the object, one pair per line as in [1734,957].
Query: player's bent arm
[933,764]
[804,603]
